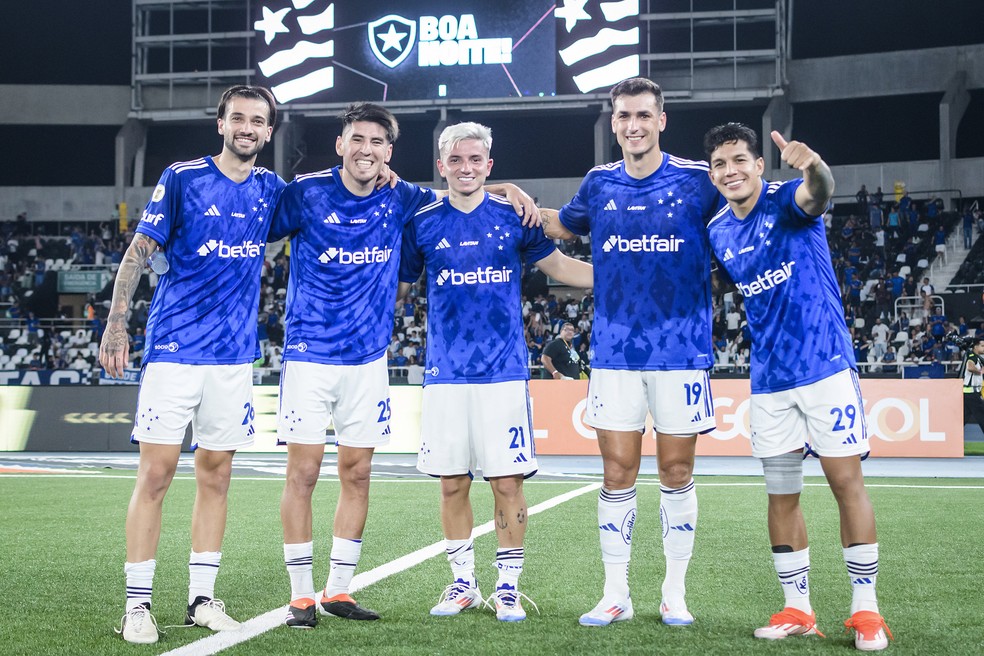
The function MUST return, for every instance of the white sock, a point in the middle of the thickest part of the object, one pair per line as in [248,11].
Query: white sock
[139,582]
[678,514]
[299,558]
[461,557]
[616,518]
[793,569]
[345,555]
[202,569]
[862,567]
[509,562]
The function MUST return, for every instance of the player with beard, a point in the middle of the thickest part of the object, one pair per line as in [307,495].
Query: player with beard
[210,217]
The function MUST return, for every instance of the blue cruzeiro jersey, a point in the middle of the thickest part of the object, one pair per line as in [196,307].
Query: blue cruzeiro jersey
[345,253]
[474,265]
[779,259]
[213,231]
[652,267]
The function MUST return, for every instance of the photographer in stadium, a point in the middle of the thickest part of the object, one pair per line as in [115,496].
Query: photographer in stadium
[971,371]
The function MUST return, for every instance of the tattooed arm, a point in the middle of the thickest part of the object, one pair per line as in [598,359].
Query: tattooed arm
[114,351]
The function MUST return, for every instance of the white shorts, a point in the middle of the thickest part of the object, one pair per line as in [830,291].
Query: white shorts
[353,397]
[829,414]
[679,401]
[217,399]
[469,426]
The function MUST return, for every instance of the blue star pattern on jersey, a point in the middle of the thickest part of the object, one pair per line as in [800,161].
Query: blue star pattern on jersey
[779,259]
[652,264]
[214,232]
[345,254]
[474,268]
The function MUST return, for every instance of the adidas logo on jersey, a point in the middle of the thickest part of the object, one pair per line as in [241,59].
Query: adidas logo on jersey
[610,205]
[332,218]
[728,255]
[213,211]
[646,244]
[442,244]
[485,276]
[767,280]
[365,256]
[223,250]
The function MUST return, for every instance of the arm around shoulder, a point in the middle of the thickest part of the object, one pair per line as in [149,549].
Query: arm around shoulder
[567,270]
[552,227]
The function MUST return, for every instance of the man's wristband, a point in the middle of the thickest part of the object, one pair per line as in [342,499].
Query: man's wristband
[555,372]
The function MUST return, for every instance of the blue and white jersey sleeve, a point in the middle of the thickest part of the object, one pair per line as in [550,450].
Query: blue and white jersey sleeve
[214,233]
[162,212]
[345,254]
[779,259]
[651,262]
[473,264]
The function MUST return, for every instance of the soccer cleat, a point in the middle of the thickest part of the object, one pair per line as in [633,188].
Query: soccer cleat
[301,614]
[676,616]
[789,622]
[608,610]
[869,630]
[344,606]
[138,626]
[507,602]
[457,597]
[211,614]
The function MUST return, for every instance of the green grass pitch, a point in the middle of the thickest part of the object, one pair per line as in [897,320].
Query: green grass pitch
[62,591]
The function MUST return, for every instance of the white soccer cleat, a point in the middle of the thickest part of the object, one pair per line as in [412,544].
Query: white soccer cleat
[211,614]
[608,610]
[457,597]
[138,626]
[789,622]
[869,630]
[507,602]
[676,615]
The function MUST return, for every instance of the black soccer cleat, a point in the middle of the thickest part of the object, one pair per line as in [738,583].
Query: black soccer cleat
[345,607]
[301,614]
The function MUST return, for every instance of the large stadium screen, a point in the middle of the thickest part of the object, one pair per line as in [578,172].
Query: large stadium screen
[316,51]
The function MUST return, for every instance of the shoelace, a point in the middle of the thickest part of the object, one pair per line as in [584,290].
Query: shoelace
[509,598]
[138,614]
[215,604]
[455,590]
[867,625]
[783,617]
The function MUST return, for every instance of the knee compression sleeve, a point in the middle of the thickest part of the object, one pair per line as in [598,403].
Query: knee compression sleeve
[783,473]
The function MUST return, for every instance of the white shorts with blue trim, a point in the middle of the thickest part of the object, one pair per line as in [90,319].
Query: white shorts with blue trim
[828,414]
[485,426]
[216,399]
[353,398]
[679,401]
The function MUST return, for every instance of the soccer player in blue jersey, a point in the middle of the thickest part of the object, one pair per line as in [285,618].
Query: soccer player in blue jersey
[646,215]
[210,216]
[476,410]
[345,253]
[770,239]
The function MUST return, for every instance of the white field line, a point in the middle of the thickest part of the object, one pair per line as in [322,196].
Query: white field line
[274,618]
[701,482]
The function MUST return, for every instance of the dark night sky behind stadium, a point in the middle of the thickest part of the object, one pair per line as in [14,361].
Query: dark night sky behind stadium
[72,42]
